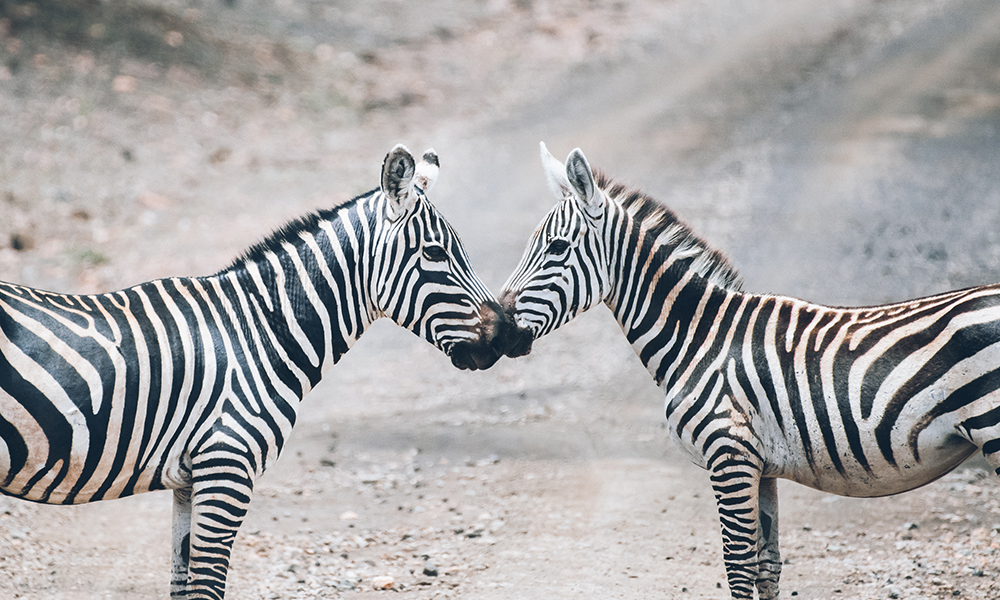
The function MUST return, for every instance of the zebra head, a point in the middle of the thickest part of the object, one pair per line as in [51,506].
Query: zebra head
[423,279]
[564,270]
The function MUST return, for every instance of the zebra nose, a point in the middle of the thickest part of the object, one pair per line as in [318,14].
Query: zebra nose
[499,328]
[494,328]
[517,341]
[473,357]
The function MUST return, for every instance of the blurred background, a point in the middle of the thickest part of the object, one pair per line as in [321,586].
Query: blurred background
[843,151]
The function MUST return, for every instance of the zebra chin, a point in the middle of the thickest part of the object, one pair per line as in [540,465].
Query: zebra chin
[519,342]
[473,356]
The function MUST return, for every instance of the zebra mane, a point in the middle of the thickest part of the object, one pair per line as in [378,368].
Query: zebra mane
[667,228]
[289,233]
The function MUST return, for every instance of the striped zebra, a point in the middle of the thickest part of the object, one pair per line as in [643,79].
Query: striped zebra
[193,384]
[852,401]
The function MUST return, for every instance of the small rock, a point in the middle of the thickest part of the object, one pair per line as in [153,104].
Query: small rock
[383,583]
[219,156]
[21,242]
[430,569]
[349,515]
[492,459]
[346,585]
[155,201]
[125,84]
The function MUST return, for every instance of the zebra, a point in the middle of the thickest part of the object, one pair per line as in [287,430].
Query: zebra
[193,384]
[862,402]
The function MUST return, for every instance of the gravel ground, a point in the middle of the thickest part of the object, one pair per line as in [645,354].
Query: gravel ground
[842,151]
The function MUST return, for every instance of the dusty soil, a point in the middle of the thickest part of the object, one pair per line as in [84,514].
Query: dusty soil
[841,151]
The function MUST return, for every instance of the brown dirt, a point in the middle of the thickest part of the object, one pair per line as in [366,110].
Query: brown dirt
[162,138]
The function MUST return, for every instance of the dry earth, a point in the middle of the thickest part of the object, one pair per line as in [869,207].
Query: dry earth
[843,151]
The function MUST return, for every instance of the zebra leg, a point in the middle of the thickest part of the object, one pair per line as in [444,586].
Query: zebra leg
[991,452]
[222,482]
[735,480]
[182,542]
[769,563]
[983,430]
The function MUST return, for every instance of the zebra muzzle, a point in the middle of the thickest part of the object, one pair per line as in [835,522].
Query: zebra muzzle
[516,340]
[519,343]
[495,328]
[473,357]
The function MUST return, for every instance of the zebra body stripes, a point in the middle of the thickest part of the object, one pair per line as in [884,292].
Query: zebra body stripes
[193,384]
[853,401]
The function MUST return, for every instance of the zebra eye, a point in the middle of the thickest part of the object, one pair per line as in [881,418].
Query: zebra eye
[558,246]
[435,253]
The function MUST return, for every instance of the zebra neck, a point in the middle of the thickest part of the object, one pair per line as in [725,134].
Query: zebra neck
[669,322]
[664,283]
[305,309]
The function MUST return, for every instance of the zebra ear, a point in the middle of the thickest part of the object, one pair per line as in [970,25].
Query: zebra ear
[427,171]
[581,177]
[555,174]
[397,181]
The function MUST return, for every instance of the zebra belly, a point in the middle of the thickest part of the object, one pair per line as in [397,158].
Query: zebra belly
[50,457]
[901,441]
[940,447]
[27,467]
[887,480]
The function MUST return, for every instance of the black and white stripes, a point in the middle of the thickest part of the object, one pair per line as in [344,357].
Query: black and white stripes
[194,384]
[854,401]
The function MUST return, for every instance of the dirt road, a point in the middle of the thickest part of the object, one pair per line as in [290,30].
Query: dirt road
[845,152]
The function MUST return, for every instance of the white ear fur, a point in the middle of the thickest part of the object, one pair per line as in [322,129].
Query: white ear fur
[397,181]
[581,177]
[555,174]
[427,171]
